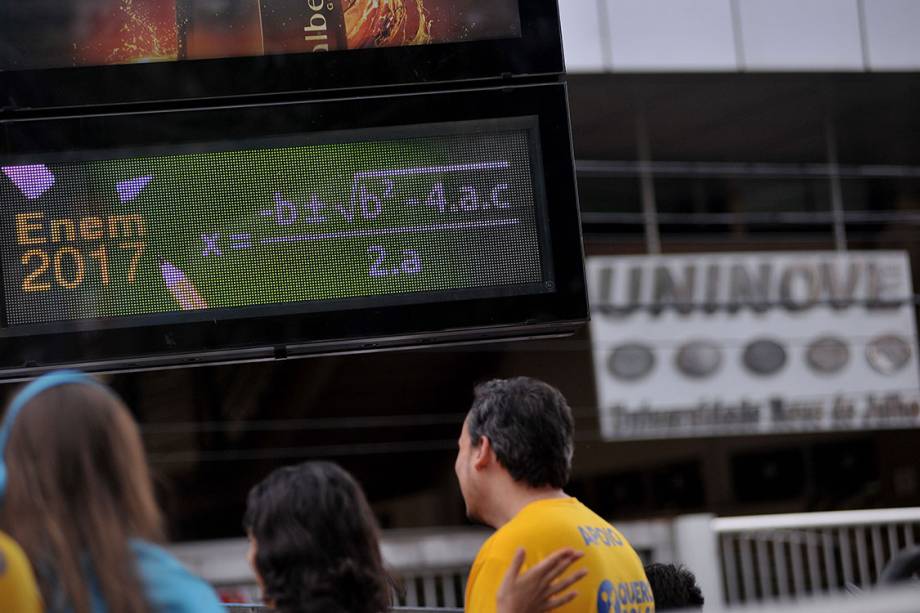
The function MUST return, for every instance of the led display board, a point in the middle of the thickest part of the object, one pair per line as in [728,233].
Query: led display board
[74,53]
[139,238]
[262,224]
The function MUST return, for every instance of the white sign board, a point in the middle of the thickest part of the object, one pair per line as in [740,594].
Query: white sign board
[736,343]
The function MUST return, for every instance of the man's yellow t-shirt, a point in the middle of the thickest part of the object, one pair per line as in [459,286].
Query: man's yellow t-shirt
[615,582]
[18,591]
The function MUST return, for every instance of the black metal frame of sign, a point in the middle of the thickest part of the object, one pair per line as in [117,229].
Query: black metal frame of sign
[553,305]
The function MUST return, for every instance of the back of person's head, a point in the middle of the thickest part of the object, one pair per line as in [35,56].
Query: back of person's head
[75,489]
[316,544]
[674,587]
[903,567]
[529,426]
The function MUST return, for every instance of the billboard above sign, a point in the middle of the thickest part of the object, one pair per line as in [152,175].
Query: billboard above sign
[76,53]
[740,343]
[107,32]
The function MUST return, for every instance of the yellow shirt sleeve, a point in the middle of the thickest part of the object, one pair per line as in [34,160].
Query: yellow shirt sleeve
[18,590]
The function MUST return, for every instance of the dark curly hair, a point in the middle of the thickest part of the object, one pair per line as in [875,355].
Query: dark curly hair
[317,546]
[674,587]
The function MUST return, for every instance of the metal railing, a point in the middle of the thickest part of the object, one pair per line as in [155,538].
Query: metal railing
[737,560]
[432,565]
[791,556]
[256,608]
[901,600]
[433,588]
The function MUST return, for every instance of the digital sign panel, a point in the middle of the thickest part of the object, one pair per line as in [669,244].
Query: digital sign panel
[68,33]
[451,209]
[137,239]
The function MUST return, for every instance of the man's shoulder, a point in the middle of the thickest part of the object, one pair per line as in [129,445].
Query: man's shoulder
[570,524]
[544,519]
[562,512]
[506,540]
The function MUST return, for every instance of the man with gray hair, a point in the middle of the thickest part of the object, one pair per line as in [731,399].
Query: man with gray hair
[514,459]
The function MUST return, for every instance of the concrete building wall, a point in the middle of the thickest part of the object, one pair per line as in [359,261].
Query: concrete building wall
[741,35]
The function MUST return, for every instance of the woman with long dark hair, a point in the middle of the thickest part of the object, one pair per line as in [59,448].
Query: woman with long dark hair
[75,493]
[314,542]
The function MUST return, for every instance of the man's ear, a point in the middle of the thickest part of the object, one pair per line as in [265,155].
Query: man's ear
[483,454]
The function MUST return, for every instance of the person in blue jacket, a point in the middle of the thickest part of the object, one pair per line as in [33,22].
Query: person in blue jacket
[76,494]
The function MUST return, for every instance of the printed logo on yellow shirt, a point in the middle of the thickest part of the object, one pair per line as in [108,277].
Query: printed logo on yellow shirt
[625,597]
[606,536]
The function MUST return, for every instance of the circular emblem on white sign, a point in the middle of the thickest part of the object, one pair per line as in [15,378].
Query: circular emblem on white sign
[827,355]
[698,359]
[631,362]
[888,354]
[764,357]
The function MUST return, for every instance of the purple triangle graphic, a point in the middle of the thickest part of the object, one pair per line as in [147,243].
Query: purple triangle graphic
[33,180]
[129,190]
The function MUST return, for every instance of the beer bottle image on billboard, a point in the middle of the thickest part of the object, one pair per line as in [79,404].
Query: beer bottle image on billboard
[209,29]
[329,25]
[229,28]
[295,26]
